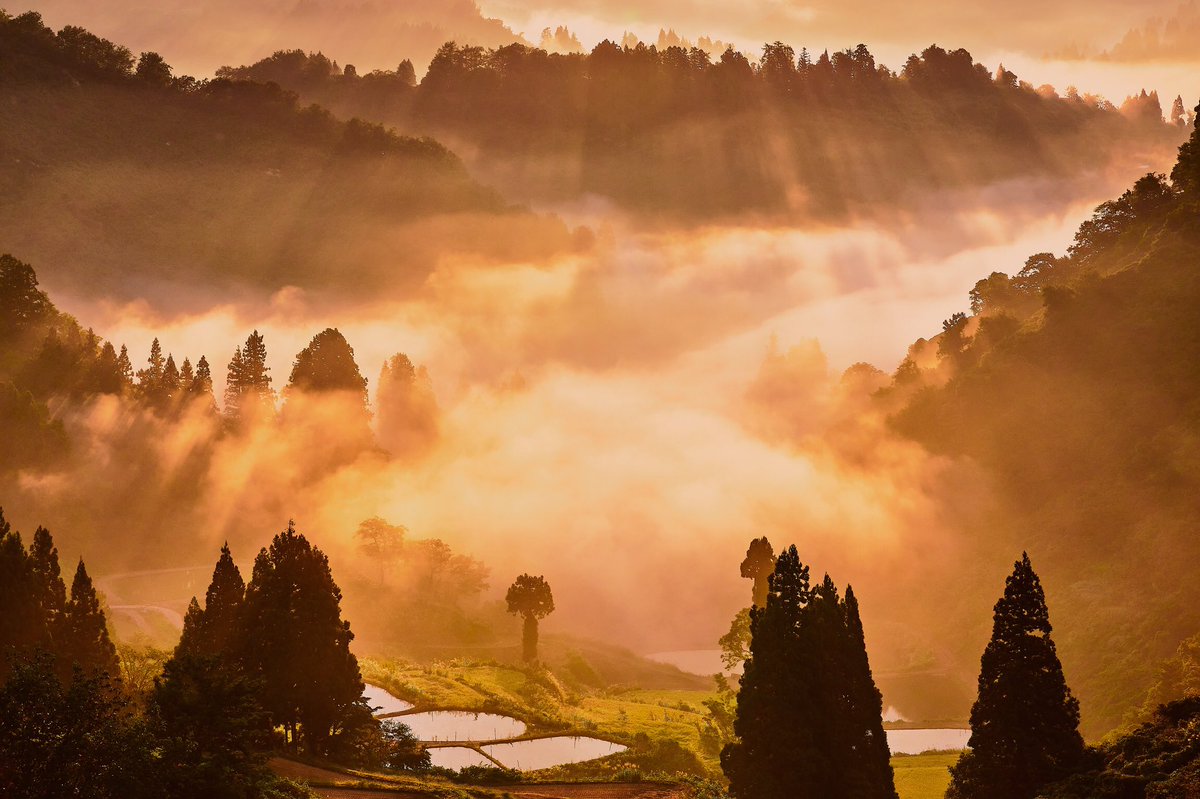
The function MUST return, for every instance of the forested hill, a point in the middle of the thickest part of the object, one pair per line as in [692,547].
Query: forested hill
[674,132]
[1075,385]
[118,171]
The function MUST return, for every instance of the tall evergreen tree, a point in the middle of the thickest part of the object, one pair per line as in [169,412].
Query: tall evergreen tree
[125,368]
[90,647]
[776,755]
[248,392]
[298,645]
[150,379]
[23,625]
[326,369]
[809,716]
[407,407]
[1025,723]
[201,387]
[223,604]
[52,594]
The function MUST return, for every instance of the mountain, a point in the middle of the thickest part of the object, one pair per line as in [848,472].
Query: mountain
[132,180]
[1073,388]
[676,133]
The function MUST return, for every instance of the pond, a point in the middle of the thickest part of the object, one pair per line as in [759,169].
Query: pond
[547,752]
[457,757]
[914,742]
[383,702]
[456,725]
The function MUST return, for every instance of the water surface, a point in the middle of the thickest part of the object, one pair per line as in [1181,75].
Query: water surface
[914,742]
[547,752]
[456,725]
[457,757]
[383,702]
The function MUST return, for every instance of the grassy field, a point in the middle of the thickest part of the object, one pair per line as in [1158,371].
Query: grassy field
[923,776]
[638,717]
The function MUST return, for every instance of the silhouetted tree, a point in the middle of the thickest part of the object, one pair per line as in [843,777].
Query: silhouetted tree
[248,392]
[22,303]
[326,369]
[808,714]
[1025,723]
[530,598]
[22,622]
[758,565]
[298,645]
[90,647]
[153,70]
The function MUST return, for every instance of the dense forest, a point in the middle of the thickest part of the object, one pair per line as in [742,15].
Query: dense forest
[138,175]
[682,133]
[1073,385]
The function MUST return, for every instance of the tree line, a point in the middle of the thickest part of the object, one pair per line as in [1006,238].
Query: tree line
[260,667]
[808,716]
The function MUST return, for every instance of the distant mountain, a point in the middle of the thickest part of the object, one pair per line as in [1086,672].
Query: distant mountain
[1074,387]
[131,181]
[674,132]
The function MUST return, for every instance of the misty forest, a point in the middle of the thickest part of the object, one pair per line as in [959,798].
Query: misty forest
[603,399]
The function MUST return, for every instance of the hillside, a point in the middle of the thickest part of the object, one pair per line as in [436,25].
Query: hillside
[1073,387]
[677,134]
[121,174]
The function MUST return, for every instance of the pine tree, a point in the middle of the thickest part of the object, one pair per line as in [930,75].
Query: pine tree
[22,624]
[169,393]
[248,392]
[298,646]
[201,387]
[1025,723]
[809,716]
[776,755]
[1186,175]
[90,647]
[52,594]
[150,379]
[125,368]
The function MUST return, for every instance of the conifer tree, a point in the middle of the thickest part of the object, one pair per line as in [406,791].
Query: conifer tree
[326,368]
[201,387]
[150,379]
[298,646]
[809,716]
[52,593]
[407,407]
[22,623]
[1025,723]
[90,647]
[169,392]
[776,755]
[248,392]
[125,368]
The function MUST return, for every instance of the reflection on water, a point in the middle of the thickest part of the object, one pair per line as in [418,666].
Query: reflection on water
[455,725]
[914,742]
[383,702]
[457,757]
[547,752]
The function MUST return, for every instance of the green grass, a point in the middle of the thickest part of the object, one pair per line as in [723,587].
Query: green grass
[923,776]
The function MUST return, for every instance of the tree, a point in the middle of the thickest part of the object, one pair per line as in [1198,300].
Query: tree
[22,622]
[735,644]
[408,410]
[1025,722]
[757,566]
[154,70]
[808,714]
[22,303]
[78,739]
[1178,114]
[380,542]
[530,597]
[52,595]
[150,379]
[89,646]
[248,393]
[325,370]
[298,646]
[406,73]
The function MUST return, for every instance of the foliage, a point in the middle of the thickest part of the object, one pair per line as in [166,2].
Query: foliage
[757,566]
[530,597]
[1160,759]
[809,717]
[1025,723]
